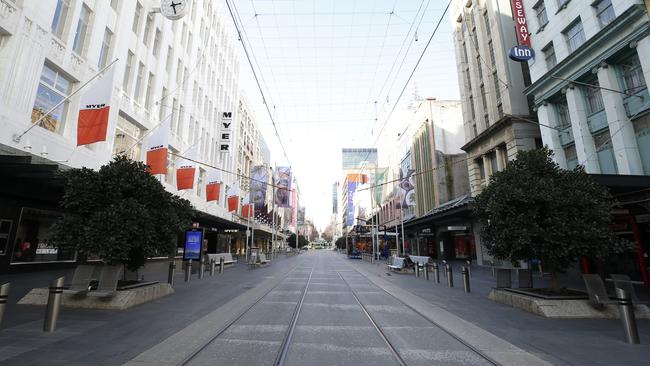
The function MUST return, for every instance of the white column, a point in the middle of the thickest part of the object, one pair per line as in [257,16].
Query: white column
[626,150]
[550,137]
[585,148]
[643,49]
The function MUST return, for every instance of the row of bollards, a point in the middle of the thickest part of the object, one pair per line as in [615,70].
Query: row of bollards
[188,270]
[423,270]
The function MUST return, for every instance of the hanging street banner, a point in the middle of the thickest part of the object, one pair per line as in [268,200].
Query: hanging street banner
[248,210]
[301,216]
[283,187]
[186,170]
[233,198]
[157,148]
[362,204]
[94,109]
[294,208]
[406,188]
[259,182]
[225,132]
[213,186]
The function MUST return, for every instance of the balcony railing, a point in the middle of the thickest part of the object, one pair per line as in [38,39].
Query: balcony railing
[597,121]
[637,103]
[566,136]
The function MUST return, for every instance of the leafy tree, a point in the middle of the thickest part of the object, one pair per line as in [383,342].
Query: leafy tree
[302,241]
[120,213]
[533,209]
[340,242]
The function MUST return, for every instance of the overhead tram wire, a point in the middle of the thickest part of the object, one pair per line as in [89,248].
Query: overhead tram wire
[257,81]
[435,30]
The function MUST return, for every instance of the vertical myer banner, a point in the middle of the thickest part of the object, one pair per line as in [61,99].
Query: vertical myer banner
[186,170]
[283,187]
[521,26]
[225,132]
[233,198]
[213,186]
[157,148]
[93,111]
[259,181]
[406,188]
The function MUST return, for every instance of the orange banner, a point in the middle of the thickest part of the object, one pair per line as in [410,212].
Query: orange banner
[92,125]
[185,178]
[248,210]
[157,161]
[212,191]
[233,203]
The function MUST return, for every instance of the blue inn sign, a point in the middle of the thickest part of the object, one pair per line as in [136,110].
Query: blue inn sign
[521,53]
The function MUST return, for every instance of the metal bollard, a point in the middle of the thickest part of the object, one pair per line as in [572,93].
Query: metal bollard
[626,309]
[469,268]
[436,273]
[201,269]
[220,265]
[188,271]
[213,266]
[53,305]
[444,265]
[426,271]
[4,294]
[450,276]
[465,272]
[171,273]
[417,270]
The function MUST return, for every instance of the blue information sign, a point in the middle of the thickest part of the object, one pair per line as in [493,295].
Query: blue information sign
[193,241]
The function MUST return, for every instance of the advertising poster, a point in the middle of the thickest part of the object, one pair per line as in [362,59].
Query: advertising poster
[193,243]
[283,187]
[259,181]
[406,188]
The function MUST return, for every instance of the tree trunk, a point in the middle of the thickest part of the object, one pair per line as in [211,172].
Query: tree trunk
[555,283]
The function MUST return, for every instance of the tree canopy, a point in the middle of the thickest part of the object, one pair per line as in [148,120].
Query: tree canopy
[302,241]
[120,213]
[533,209]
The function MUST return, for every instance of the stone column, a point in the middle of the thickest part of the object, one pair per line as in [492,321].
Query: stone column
[550,137]
[643,49]
[585,147]
[626,150]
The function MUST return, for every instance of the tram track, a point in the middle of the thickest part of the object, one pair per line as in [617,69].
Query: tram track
[386,338]
[281,355]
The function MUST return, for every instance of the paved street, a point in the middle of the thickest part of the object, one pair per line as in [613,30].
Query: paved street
[318,308]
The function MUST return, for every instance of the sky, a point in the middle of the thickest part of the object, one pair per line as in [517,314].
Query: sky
[332,72]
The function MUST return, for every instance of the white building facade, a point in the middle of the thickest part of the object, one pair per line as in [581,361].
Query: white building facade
[184,70]
[590,82]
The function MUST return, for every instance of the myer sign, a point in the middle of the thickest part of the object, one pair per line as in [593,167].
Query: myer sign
[522,52]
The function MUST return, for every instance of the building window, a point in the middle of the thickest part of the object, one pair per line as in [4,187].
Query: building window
[562,110]
[471,107]
[60,17]
[114,4]
[138,83]
[575,35]
[127,139]
[126,81]
[168,64]
[488,27]
[540,12]
[82,29]
[571,157]
[481,168]
[491,51]
[593,97]
[497,87]
[561,4]
[136,17]
[147,30]
[632,74]
[604,12]
[52,89]
[32,243]
[156,43]
[549,56]
[106,47]
[149,95]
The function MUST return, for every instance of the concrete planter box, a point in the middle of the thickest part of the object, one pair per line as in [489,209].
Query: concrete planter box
[560,308]
[122,299]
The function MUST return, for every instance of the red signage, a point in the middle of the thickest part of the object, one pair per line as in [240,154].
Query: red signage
[521,26]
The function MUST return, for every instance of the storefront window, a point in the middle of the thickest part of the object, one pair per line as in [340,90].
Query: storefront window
[127,136]
[32,243]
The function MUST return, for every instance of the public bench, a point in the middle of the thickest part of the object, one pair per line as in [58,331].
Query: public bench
[397,264]
[262,259]
[81,278]
[227,258]
[108,279]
